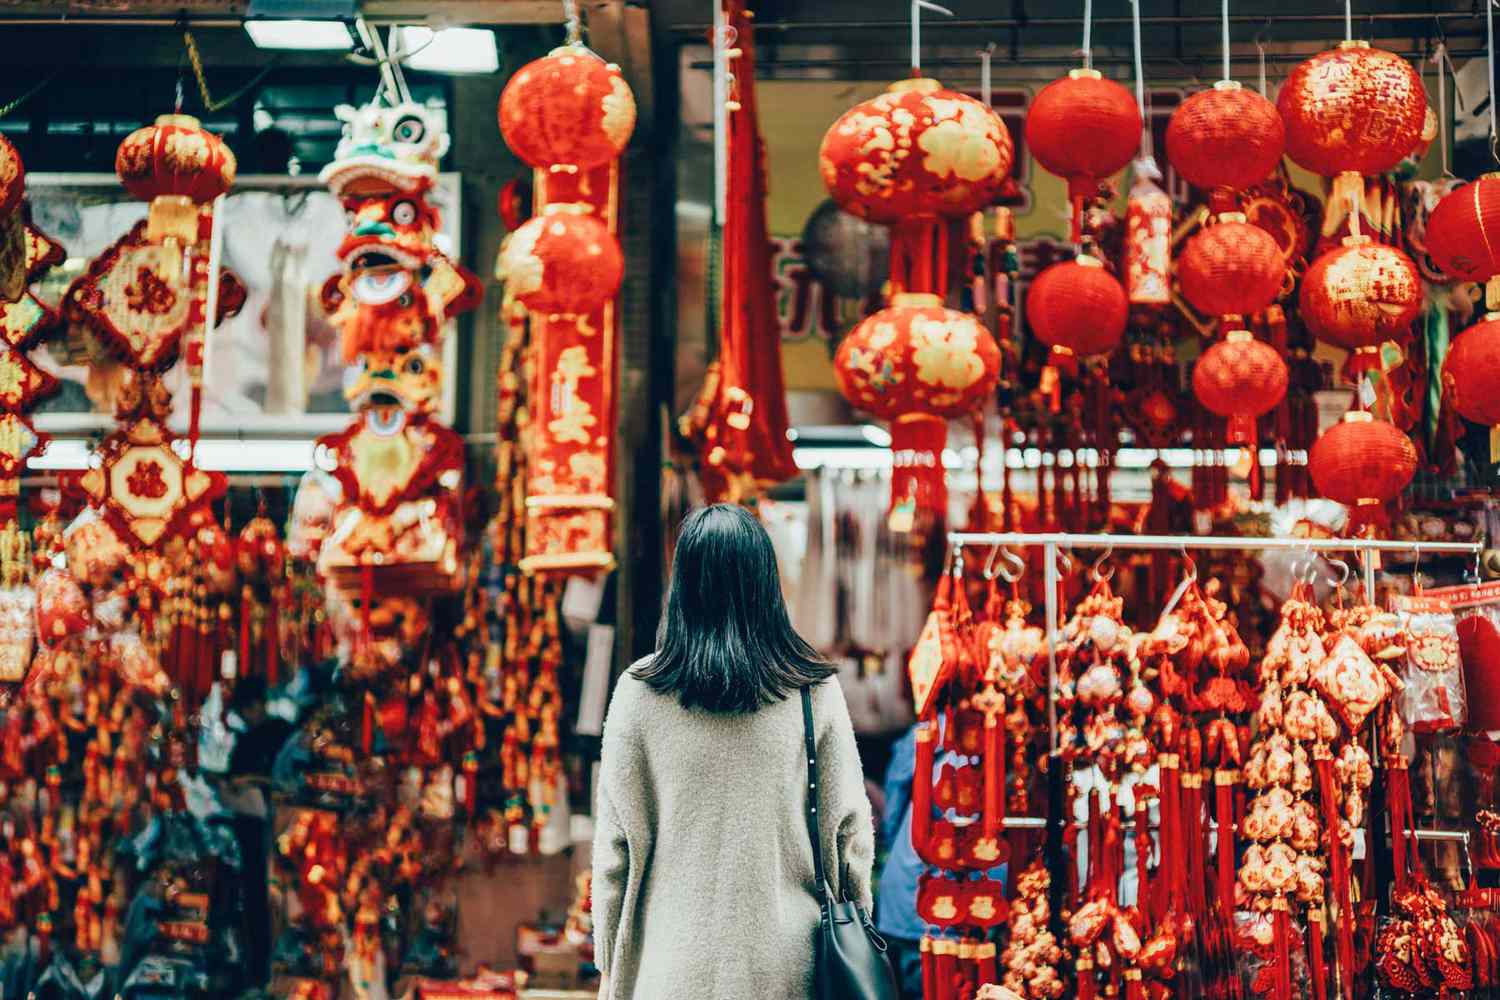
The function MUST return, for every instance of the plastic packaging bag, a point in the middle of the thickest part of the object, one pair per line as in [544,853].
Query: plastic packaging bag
[1477,609]
[1433,699]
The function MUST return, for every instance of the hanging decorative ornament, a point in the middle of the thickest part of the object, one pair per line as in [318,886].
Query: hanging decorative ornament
[1353,109]
[1361,294]
[1225,137]
[564,262]
[1362,463]
[1240,378]
[1463,232]
[1148,238]
[176,165]
[1471,373]
[1232,268]
[1078,309]
[1083,104]
[916,363]
[567,112]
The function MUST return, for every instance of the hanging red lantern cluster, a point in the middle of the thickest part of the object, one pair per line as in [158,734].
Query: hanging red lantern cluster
[1078,309]
[916,363]
[568,111]
[1225,137]
[1240,378]
[1463,232]
[1361,294]
[569,115]
[1231,269]
[1362,463]
[1352,109]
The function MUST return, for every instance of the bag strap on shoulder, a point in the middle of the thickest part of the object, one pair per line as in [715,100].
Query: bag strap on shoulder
[810,736]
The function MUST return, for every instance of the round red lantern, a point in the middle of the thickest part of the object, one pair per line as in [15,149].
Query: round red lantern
[1362,463]
[1078,309]
[1352,108]
[562,262]
[1084,128]
[1232,268]
[917,150]
[1225,137]
[569,110]
[177,165]
[1463,232]
[916,363]
[1471,372]
[1361,294]
[1240,378]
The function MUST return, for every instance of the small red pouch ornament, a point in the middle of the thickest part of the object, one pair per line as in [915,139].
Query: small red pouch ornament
[959,789]
[1351,682]
[941,901]
[1476,608]
[942,845]
[985,904]
[1433,697]
[981,852]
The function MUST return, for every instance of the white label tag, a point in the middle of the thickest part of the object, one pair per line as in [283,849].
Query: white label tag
[581,600]
[229,664]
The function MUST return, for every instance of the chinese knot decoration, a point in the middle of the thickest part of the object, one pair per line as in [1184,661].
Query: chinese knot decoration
[569,115]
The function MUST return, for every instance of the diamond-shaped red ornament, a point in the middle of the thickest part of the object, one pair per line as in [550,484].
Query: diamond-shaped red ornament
[22,383]
[18,442]
[144,488]
[25,321]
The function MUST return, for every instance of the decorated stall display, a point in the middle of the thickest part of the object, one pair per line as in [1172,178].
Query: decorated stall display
[740,419]
[569,115]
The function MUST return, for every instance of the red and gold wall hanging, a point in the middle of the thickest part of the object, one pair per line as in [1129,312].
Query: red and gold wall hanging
[569,115]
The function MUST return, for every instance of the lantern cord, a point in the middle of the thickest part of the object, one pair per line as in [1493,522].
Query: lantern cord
[986,55]
[1088,34]
[1140,78]
[571,22]
[1489,40]
[1348,20]
[209,104]
[1224,32]
[917,6]
[1260,49]
[721,112]
[1440,56]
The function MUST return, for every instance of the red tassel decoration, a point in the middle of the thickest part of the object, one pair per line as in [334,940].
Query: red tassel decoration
[921,790]
[1281,944]
[994,761]
[1087,989]
[1134,989]
[246,625]
[367,725]
[929,967]
[984,963]
[945,957]
[1224,782]
[1338,867]
[1316,962]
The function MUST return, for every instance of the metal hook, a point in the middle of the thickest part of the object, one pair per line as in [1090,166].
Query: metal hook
[1343,577]
[958,562]
[1101,563]
[1191,564]
[1416,561]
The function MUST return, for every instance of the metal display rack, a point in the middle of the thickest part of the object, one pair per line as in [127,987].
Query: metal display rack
[1055,544]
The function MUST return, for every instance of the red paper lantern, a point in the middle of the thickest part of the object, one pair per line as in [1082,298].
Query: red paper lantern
[1471,372]
[178,157]
[1084,128]
[916,151]
[562,262]
[1463,232]
[916,363]
[567,110]
[1240,378]
[1232,268]
[1078,309]
[1362,463]
[1352,108]
[1225,137]
[1361,294]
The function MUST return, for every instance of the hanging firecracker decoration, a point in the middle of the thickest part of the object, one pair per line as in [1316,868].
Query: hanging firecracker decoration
[1241,379]
[1148,238]
[1359,295]
[564,262]
[569,115]
[1471,372]
[567,112]
[911,158]
[1353,109]
[1078,309]
[1225,137]
[1463,232]
[1084,129]
[916,363]
[1231,268]
[1362,463]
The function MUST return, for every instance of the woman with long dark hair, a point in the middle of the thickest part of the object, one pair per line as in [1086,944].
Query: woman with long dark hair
[703,865]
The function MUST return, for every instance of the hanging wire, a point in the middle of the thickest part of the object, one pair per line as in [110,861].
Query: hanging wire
[209,104]
[917,6]
[17,102]
[1140,78]
[1489,48]
[1440,56]
[1348,20]
[571,22]
[1088,34]
[1225,38]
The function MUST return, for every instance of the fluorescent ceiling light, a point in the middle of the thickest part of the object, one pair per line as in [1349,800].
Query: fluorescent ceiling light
[451,50]
[298,34]
[214,454]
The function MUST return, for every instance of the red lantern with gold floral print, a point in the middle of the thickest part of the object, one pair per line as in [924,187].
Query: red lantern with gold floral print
[1240,378]
[1227,136]
[564,262]
[177,165]
[569,110]
[1463,232]
[1078,309]
[1083,128]
[1471,372]
[1352,109]
[916,363]
[1361,294]
[1232,268]
[916,151]
[1362,463]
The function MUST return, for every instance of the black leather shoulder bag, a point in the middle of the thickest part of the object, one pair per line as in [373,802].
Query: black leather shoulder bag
[851,962]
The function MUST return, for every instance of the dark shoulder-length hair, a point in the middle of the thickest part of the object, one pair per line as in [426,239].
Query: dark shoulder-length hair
[726,643]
